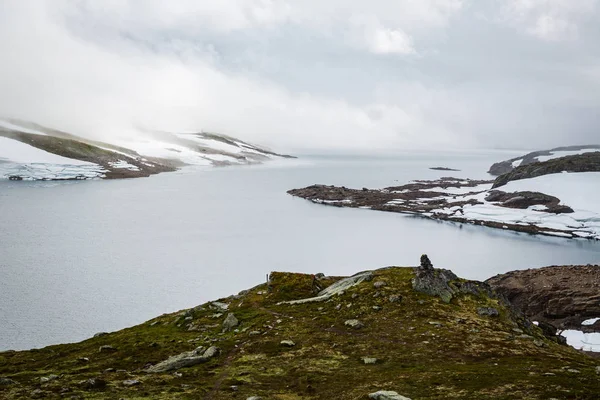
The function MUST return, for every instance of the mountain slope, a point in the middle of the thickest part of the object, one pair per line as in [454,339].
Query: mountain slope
[32,152]
[507,166]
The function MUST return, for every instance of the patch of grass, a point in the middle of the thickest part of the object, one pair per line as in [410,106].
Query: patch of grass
[426,349]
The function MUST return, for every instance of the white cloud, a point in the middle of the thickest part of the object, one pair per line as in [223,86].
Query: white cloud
[304,74]
[551,20]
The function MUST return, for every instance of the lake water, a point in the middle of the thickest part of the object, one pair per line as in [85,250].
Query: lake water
[84,257]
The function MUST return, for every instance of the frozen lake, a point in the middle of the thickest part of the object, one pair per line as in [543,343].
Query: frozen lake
[83,257]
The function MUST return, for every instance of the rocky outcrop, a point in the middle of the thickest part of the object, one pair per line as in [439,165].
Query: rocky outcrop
[444,283]
[563,296]
[387,395]
[507,166]
[524,200]
[186,359]
[587,162]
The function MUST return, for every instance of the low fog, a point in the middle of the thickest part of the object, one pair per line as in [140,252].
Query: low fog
[343,75]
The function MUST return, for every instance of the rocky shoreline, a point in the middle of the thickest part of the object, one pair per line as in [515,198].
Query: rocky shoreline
[446,199]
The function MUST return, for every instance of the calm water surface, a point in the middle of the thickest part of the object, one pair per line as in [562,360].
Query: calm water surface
[80,258]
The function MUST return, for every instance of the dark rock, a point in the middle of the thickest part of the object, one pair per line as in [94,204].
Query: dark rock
[562,296]
[38,394]
[548,330]
[7,382]
[425,262]
[587,162]
[94,383]
[488,312]
[524,200]
[434,282]
[100,334]
[395,298]
[504,167]
[443,169]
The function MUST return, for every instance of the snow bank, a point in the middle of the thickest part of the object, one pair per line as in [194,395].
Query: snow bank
[583,341]
[558,154]
[580,191]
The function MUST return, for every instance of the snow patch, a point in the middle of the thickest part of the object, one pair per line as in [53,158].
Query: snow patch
[583,341]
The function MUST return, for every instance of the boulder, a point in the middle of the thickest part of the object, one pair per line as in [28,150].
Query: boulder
[488,312]
[107,349]
[6,381]
[434,282]
[387,395]
[186,359]
[354,323]
[230,322]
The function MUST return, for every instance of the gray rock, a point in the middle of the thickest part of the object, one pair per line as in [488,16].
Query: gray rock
[287,343]
[49,378]
[37,394]
[335,289]
[574,371]
[215,305]
[598,370]
[230,322]
[539,343]
[395,298]
[94,383]
[387,395]
[488,312]
[379,284]
[254,398]
[435,283]
[253,333]
[131,382]
[354,323]
[6,381]
[186,359]
[107,349]
[369,360]
[100,334]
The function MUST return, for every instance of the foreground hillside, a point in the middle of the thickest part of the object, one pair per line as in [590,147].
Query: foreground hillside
[30,151]
[422,333]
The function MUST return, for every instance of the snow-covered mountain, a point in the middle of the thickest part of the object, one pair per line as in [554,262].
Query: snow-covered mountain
[30,151]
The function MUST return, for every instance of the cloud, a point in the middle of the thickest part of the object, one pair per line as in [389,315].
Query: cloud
[551,20]
[308,74]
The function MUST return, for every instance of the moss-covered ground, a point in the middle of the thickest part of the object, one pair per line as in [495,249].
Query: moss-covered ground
[425,349]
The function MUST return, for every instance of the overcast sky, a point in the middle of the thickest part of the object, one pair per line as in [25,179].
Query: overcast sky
[309,74]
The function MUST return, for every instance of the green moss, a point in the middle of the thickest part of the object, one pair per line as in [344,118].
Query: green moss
[426,349]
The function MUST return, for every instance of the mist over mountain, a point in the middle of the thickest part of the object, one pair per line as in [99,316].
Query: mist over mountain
[299,75]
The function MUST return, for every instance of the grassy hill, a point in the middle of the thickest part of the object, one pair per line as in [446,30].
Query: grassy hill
[379,334]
